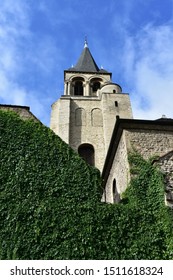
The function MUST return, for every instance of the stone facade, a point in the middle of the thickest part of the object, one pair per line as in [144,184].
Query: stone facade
[166,165]
[119,174]
[150,139]
[86,113]
[95,118]
[80,120]
[150,142]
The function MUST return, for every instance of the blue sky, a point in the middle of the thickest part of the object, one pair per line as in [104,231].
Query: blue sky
[133,39]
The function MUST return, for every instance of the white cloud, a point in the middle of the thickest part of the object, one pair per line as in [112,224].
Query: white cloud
[30,57]
[19,57]
[148,64]
[13,17]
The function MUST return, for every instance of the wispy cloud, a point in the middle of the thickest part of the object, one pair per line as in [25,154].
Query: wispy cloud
[39,39]
[21,60]
[148,67]
[12,15]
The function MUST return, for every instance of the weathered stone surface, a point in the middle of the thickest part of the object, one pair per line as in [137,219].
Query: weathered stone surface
[119,172]
[150,139]
[23,111]
[89,118]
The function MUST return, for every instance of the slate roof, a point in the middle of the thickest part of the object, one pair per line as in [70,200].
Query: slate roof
[86,63]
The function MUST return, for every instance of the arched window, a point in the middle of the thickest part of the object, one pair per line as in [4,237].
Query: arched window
[96,86]
[80,117]
[86,151]
[78,88]
[116,103]
[96,117]
[116,195]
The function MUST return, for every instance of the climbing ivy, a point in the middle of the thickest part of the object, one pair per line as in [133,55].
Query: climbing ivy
[152,230]
[47,194]
[50,202]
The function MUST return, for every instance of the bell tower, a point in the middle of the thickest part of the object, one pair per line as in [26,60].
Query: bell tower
[84,117]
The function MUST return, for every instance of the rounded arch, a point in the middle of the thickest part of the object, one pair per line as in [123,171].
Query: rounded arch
[96,117]
[95,84]
[77,83]
[76,77]
[78,88]
[86,151]
[80,117]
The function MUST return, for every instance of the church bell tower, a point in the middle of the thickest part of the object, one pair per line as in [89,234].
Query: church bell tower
[84,117]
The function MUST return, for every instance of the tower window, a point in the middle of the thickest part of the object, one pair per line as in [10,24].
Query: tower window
[116,196]
[80,117]
[114,91]
[78,88]
[96,86]
[96,117]
[116,103]
[86,151]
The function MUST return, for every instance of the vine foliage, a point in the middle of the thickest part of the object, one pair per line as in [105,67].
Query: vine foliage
[50,202]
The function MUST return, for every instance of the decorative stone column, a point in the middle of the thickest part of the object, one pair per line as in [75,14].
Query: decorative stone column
[84,89]
[87,88]
[68,88]
[65,88]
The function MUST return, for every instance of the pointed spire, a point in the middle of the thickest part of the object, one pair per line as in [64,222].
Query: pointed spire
[86,62]
[86,43]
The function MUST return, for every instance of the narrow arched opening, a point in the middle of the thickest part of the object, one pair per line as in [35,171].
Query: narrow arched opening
[115,194]
[86,151]
[78,88]
[96,86]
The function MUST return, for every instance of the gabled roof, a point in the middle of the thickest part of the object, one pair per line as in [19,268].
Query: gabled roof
[86,63]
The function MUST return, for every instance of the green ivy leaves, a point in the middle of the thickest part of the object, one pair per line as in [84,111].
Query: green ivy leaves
[50,202]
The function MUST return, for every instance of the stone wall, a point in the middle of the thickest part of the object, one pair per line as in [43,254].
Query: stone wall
[166,165]
[89,120]
[119,172]
[86,126]
[114,105]
[60,118]
[154,141]
[23,111]
[150,142]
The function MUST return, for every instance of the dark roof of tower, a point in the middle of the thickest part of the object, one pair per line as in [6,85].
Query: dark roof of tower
[86,62]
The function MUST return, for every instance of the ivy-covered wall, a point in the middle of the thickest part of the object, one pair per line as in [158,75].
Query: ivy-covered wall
[50,202]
